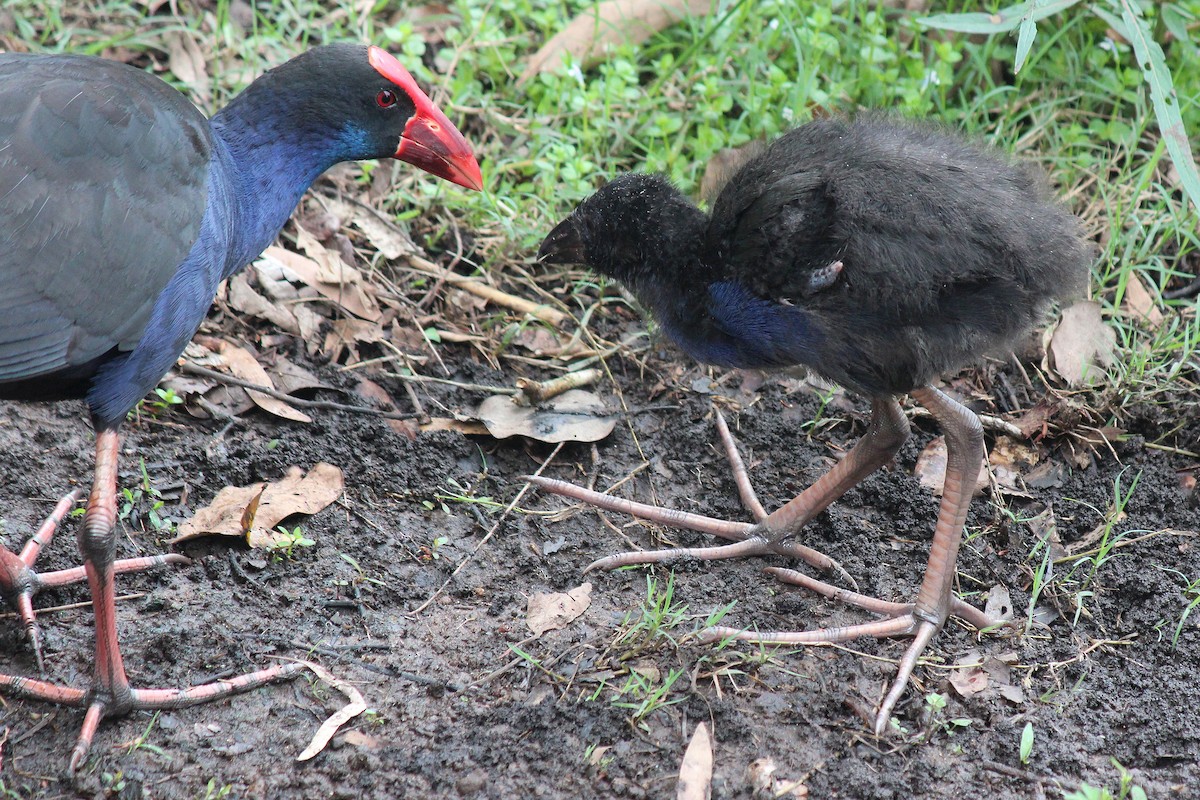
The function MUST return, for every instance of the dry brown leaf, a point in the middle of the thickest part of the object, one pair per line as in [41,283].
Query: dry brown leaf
[295,493]
[379,397]
[760,774]
[274,278]
[361,739]
[289,378]
[696,769]
[467,427]
[355,706]
[346,334]
[1140,303]
[574,416]
[553,611]
[245,366]
[931,468]
[1081,345]
[538,340]
[242,297]
[339,281]
[999,604]
[724,165]
[1010,460]
[609,24]
[333,279]
[390,241]
[186,61]
[969,682]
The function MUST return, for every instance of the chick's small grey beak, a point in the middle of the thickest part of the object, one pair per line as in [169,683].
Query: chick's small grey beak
[562,245]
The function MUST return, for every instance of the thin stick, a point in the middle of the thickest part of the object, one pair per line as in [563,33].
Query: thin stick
[487,537]
[287,398]
[72,606]
[545,313]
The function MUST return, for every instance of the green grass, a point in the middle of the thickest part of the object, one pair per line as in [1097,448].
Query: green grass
[1078,105]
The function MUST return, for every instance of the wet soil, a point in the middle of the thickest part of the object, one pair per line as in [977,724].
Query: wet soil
[466,703]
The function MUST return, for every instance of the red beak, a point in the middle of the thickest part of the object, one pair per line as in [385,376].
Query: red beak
[430,141]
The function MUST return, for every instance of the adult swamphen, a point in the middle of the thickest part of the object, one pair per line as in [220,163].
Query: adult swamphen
[121,209]
[879,254]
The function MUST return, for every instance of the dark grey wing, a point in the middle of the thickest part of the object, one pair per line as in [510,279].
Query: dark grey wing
[772,230]
[103,185]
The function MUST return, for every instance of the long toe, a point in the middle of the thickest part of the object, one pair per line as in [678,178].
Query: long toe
[136,699]
[748,537]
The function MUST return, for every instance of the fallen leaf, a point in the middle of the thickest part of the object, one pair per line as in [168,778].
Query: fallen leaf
[329,727]
[999,605]
[378,396]
[337,280]
[538,341]
[596,758]
[332,278]
[295,493]
[363,740]
[574,416]
[722,166]
[1009,460]
[970,681]
[1140,303]
[243,298]
[245,366]
[760,774]
[553,611]
[346,334]
[467,427]
[606,25]
[392,242]
[186,62]
[251,510]
[1081,345]
[696,769]
[290,378]
[931,468]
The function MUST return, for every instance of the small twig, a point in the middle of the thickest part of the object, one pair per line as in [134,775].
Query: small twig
[550,316]
[534,392]
[1045,780]
[1183,291]
[289,399]
[470,387]
[72,606]
[988,421]
[487,537]
[1179,451]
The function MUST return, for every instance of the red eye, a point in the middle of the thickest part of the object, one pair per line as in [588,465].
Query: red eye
[385,99]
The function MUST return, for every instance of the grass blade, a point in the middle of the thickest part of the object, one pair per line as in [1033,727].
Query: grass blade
[1005,20]
[1162,93]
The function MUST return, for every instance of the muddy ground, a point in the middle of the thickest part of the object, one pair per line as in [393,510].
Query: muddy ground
[456,711]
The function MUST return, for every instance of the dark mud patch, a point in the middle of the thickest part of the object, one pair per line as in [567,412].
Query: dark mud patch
[465,704]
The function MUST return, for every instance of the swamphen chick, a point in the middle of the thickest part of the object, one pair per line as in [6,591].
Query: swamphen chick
[877,253]
[122,209]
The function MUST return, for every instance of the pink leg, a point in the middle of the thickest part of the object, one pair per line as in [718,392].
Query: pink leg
[19,582]
[887,431]
[110,693]
[935,600]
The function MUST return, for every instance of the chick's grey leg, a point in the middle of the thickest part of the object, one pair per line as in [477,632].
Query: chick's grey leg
[886,433]
[935,600]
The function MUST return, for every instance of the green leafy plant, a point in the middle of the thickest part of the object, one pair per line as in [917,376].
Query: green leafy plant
[1191,597]
[143,499]
[1026,742]
[285,547]
[1131,20]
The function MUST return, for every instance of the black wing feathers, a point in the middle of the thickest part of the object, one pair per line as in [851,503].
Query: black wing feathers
[949,250]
